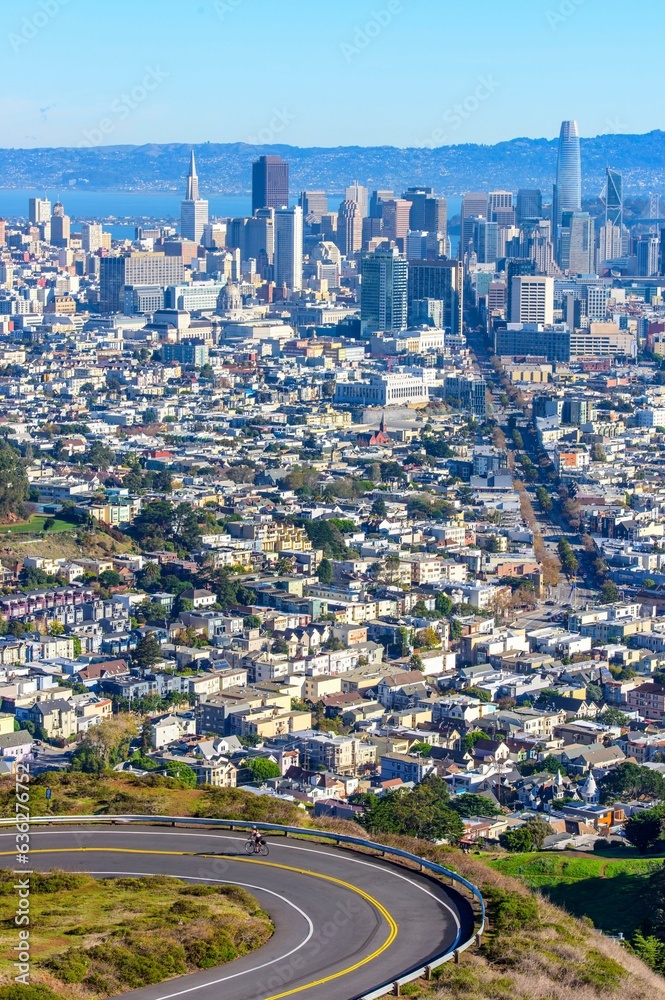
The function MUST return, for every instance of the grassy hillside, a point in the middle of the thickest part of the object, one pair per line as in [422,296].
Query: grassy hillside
[100,937]
[609,890]
[532,951]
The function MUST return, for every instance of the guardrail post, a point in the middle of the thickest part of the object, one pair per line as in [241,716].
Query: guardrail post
[428,972]
[456,955]
[397,992]
[478,939]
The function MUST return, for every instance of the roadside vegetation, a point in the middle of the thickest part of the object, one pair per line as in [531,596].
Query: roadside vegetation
[100,937]
[533,950]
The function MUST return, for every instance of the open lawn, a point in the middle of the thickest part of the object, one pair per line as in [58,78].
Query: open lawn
[36,525]
[606,887]
[116,934]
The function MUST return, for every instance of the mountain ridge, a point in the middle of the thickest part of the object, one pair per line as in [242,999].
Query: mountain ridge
[226,167]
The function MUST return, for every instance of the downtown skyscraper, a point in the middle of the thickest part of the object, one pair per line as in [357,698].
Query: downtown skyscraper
[567,194]
[193,210]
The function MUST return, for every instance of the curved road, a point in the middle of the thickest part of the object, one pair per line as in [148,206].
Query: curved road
[344,923]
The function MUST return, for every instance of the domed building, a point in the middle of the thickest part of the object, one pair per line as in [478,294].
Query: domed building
[229,300]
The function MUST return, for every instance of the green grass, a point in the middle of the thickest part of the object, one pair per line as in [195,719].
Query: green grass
[608,888]
[35,526]
[109,935]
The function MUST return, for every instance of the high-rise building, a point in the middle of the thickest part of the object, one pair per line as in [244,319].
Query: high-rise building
[610,243]
[377,201]
[356,192]
[416,244]
[596,302]
[349,228]
[193,210]
[515,268]
[383,304]
[270,183]
[614,198]
[91,236]
[39,211]
[313,203]
[149,269]
[500,202]
[60,226]
[288,247]
[486,241]
[3,232]
[582,243]
[442,280]
[428,213]
[260,236]
[568,188]
[532,300]
[529,204]
[474,205]
[648,251]
[396,219]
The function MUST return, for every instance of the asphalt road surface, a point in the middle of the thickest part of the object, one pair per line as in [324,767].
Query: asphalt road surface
[344,923]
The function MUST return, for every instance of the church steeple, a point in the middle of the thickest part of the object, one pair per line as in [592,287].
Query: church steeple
[192,181]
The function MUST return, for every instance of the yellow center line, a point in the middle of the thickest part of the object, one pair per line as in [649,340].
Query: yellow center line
[392,924]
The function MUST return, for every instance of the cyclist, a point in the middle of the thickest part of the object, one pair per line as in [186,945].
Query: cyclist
[255,837]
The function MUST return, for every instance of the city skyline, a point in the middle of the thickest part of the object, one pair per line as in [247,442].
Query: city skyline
[150,98]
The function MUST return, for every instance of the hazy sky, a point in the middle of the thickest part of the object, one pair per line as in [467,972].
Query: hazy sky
[324,73]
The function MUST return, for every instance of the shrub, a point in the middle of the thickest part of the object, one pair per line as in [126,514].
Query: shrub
[600,971]
[71,967]
[510,910]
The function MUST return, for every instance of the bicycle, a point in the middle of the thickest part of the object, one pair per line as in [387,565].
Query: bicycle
[260,847]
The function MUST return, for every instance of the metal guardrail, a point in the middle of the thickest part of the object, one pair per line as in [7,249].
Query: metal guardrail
[226,824]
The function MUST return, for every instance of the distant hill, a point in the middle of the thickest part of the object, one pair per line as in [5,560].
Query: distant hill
[226,168]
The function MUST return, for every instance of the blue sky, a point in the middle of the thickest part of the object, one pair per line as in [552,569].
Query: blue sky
[309,72]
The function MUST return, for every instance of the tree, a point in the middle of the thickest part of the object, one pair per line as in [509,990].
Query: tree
[609,593]
[325,572]
[650,949]
[263,769]
[416,662]
[14,486]
[280,645]
[645,829]
[99,456]
[422,749]
[56,628]
[104,745]
[630,781]
[148,652]
[183,772]
[480,693]
[427,638]
[443,604]
[425,812]
[468,804]
[251,621]
[613,717]
[470,740]
[110,578]
[146,735]
[163,481]
[529,837]
[379,508]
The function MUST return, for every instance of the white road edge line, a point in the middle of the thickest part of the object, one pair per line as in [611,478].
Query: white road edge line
[286,847]
[225,881]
